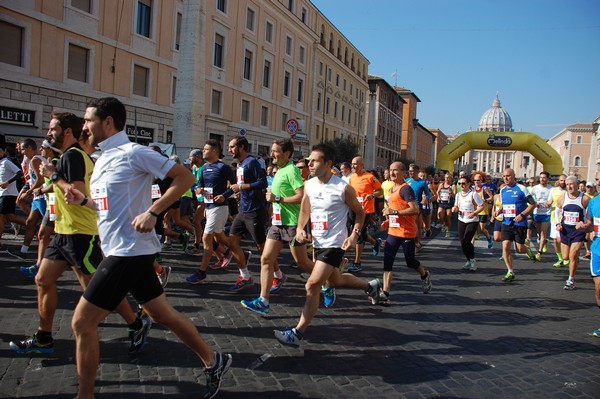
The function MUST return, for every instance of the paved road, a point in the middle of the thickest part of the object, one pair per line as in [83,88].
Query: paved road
[471,337]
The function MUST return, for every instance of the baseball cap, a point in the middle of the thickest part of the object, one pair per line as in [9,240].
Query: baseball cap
[589,184]
[196,152]
[46,144]
[187,162]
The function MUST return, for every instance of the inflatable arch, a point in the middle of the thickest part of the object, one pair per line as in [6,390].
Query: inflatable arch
[500,141]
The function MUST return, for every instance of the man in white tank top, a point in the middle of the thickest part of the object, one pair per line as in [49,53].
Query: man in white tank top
[326,202]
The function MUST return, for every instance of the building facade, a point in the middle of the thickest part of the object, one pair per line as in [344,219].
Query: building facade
[57,56]
[575,146]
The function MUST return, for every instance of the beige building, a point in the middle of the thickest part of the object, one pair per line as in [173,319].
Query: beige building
[575,146]
[57,55]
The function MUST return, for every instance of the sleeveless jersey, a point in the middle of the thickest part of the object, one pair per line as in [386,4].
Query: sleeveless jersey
[466,204]
[481,192]
[404,226]
[32,177]
[573,211]
[328,211]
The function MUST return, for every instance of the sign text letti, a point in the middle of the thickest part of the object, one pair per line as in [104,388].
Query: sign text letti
[17,116]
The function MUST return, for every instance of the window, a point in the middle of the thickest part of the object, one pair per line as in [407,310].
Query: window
[335,109]
[174,89]
[577,161]
[245,114]
[218,51]
[83,5]
[267,74]
[284,119]
[327,106]
[215,102]
[302,54]
[269,32]
[178,30]
[264,116]
[12,48]
[579,140]
[140,80]
[320,69]
[222,6]
[304,15]
[288,45]
[291,5]
[144,13]
[248,65]
[329,74]
[286,84]
[300,90]
[77,68]
[318,101]
[337,80]
[250,19]
[349,115]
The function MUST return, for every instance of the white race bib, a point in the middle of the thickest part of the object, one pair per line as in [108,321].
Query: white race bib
[394,221]
[570,218]
[156,194]
[51,207]
[240,175]
[509,210]
[99,193]
[319,223]
[276,219]
[208,195]
[596,227]
[444,195]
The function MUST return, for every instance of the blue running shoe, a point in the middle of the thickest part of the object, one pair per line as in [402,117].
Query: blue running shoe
[356,267]
[328,296]
[196,278]
[377,247]
[32,345]
[29,271]
[257,306]
[277,283]
[289,336]
[596,333]
[490,243]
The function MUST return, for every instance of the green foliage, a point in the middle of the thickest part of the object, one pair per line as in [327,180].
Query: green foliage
[345,149]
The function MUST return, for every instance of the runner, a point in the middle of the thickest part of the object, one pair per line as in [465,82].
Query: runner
[469,205]
[446,198]
[541,214]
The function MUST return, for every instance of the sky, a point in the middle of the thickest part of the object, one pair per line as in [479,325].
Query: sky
[542,57]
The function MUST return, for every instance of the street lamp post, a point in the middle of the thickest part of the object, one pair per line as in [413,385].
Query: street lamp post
[566,160]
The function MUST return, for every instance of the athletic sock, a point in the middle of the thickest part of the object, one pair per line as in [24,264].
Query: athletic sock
[245,273]
[278,274]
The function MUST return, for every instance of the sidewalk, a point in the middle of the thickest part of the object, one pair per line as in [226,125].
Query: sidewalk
[471,337]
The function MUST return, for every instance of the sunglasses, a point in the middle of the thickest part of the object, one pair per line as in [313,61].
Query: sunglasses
[476,179]
[462,184]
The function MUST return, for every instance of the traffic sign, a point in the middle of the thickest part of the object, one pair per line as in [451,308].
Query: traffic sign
[243,132]
[291,126]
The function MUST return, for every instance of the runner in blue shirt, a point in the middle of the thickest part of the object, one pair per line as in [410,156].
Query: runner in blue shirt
[517,203]
[593,224]
[419,186]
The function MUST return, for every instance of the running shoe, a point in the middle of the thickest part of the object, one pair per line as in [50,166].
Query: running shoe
[508,277]
[138,337]
[184,239]
[467,265]
[374,289]
[427,233]
[166,245]
[293,265]
[447,233]
[158,258]
[490,243]
[256,306]
[596,333]
[426,283]
[214,375]
[356,267]
[587,255]
[196,278]
[227,256]
[473,265]
[423,234]
[377,247]
[194,251]
[277,283]
[418,247]
[241,284]
[163,276]
[558,264]
[538,256]
[569,284]
[328,296]
[32,345]
[289,336]
[566,262]
[384,299]
[545,248]
[29,271]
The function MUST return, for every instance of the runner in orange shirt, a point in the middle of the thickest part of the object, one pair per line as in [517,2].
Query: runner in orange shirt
[367,187]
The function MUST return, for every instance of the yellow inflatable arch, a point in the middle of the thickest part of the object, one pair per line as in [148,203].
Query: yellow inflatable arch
[500,141]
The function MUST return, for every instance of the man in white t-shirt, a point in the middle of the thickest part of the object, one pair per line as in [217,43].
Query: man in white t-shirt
[541,214]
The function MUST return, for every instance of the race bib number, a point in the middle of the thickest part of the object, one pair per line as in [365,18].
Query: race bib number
[99,193]
[394,221]
[208,195]
[571,218]
[361,200]
[276,219]
[319,223]
[240,175]
[444,195]
[596,227]
[156,194]
[51,207]
[509,210]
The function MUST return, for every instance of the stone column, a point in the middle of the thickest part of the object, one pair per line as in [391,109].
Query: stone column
[189,123]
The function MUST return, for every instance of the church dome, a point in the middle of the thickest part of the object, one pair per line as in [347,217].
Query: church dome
[495,119]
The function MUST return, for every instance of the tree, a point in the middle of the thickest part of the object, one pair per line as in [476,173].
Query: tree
[345,149]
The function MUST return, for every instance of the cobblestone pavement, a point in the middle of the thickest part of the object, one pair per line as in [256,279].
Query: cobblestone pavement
[471,337]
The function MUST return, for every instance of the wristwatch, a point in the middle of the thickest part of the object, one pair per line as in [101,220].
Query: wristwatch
[277,198]
[55,177]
